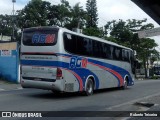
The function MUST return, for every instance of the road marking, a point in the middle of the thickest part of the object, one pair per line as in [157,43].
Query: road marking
[133,101]
[2,89]
[18,88]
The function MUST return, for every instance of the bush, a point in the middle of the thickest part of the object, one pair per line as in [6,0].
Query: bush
[154,77]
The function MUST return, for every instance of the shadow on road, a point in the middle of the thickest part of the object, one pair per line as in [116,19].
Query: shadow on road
[51,95]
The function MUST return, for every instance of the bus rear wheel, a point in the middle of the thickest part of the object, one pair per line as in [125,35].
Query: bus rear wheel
[89,87]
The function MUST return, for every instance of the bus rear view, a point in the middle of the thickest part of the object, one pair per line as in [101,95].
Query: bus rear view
[38,50]
[57,59]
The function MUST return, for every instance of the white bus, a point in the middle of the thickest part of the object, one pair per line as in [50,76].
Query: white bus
[57,59]
[156,68]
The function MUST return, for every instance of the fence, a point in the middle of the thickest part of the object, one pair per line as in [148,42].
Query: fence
[9,61]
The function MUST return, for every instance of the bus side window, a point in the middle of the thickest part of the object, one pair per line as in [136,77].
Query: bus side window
[125,55]
[97,49]
[80,46]
[128,56]
[104,50]
[111,49]
[88,46]
[70,43]
[117,53]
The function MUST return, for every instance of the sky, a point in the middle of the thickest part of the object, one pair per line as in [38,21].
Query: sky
[108,10]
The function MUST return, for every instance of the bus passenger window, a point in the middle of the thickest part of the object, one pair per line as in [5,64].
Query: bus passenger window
[118,54]
[81,49]
[88,46]
[69,42]
[125,55]
[97,49]
[111,48]
[104,50]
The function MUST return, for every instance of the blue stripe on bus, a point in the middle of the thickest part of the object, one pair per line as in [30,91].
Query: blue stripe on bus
[64,65]
[85,72]
[119,70]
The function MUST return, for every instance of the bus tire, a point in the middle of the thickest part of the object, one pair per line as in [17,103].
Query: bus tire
[89,87]
[125,85]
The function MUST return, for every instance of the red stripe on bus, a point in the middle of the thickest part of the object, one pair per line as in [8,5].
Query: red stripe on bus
[111,71]
[79,79]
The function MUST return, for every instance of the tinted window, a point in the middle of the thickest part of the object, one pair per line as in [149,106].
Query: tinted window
[111,51]
[88,47]
[70,43]
[117,53]
[39,38]
[97,48]
[81,46]
[84,46]
[126,55]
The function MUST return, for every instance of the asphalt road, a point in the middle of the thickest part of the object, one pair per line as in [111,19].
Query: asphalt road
[41,100]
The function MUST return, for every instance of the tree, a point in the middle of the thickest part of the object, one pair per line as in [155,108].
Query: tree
[53,15]
[92,19]
[120,31]
[35,13]
[125,33]
[98,32]
[64,13]
[78,17]
[146,48]
[6,26]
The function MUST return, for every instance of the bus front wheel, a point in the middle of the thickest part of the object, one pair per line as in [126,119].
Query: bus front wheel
[89,87]
[125,85]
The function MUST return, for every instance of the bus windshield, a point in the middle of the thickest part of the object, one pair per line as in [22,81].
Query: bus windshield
[40,37]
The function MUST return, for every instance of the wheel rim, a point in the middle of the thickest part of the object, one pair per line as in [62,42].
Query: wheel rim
[90,87]
[125,83]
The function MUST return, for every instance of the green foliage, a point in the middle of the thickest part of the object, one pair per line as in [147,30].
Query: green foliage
[64,13]
[77,18]
[92,15]
[98,32]
[125,33]
[110,38]
[35,13]
[5,25]
[155,77]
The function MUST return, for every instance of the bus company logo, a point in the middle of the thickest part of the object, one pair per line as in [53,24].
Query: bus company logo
[43,38]
[78,62]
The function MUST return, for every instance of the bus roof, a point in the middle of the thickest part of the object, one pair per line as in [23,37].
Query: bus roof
[79,34]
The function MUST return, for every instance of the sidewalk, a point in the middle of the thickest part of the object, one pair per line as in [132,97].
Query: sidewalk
[6,86]
[152,100]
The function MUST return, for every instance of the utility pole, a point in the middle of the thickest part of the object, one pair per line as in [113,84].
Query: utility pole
[13,20]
